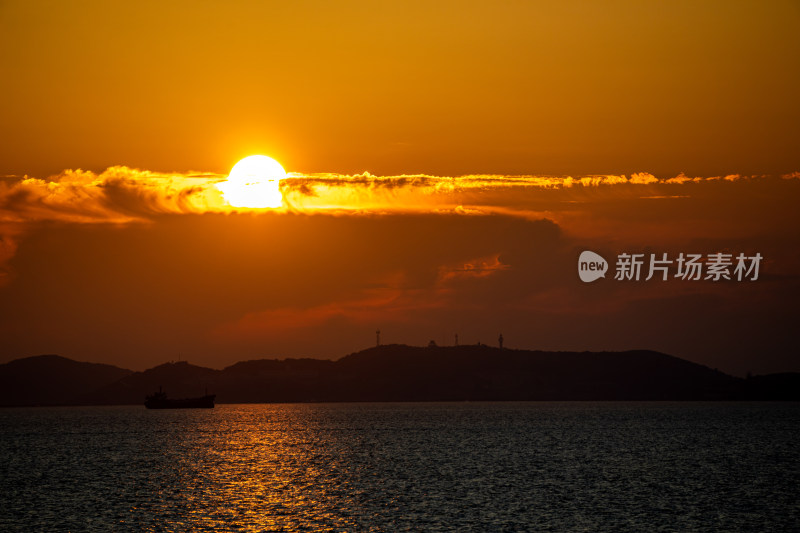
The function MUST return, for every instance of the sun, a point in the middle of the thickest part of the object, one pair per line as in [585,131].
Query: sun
[254,182]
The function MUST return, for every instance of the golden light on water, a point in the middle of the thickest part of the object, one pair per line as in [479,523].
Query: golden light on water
[254,182]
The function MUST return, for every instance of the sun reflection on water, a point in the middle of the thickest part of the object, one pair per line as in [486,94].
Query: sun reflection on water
[401,467]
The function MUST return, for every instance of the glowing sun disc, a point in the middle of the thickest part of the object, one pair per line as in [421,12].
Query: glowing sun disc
[254,182]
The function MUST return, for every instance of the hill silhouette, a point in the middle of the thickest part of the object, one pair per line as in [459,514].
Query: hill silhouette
[484,373]
[53,380]
[396,373]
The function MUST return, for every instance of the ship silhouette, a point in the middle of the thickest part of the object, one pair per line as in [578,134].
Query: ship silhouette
[159,400]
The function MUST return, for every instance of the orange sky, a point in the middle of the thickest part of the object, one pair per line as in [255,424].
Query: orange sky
[447,164]
[447,88]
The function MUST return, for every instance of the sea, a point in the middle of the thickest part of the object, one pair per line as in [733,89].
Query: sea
[485,467]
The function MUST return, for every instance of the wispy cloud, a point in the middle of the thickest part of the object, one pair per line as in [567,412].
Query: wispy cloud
[117,195]
[121,195]
[473,194]
[475,268]
[375,305]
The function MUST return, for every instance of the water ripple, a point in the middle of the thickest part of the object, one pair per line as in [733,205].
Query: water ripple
[403,467]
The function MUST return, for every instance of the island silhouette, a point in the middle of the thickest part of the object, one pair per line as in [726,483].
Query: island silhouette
[395,372]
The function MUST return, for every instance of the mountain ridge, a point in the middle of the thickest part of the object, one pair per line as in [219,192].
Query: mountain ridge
[395,372]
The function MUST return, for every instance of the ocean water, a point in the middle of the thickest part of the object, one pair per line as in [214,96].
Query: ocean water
[403,467]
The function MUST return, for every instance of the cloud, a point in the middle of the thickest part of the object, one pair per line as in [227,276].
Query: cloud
[121,195]
[473,268]
[118,195]
[582,205]
[373,306]
[471,194]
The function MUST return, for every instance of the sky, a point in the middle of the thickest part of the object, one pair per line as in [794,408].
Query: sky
[447,164]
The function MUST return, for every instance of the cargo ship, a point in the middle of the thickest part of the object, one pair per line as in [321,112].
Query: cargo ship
[159,400]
